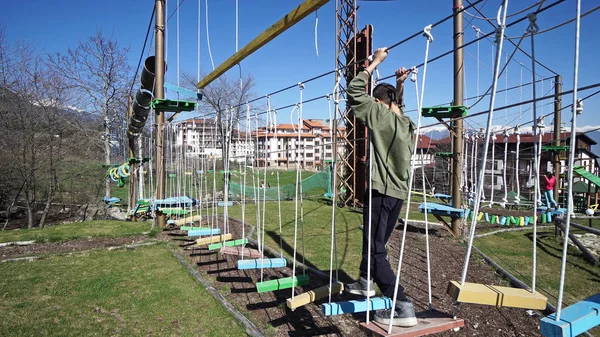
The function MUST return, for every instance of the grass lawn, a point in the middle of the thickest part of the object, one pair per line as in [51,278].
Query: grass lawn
[77,230]
[138,292]
[513,251]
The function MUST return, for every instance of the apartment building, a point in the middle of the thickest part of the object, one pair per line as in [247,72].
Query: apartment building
[287,145]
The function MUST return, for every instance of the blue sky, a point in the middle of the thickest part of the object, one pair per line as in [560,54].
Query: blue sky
[291,58]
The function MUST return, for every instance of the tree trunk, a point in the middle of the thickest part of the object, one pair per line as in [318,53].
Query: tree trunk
[29,204]
[107,153]
[12,205]
[47,207]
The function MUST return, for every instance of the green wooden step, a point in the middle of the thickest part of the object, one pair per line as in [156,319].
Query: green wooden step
[216,246]
[445,111]
[173,105]
[554,148]
[282,283]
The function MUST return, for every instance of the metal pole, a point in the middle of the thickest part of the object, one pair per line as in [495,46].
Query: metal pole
[557,124]
[457,125]
[160,115]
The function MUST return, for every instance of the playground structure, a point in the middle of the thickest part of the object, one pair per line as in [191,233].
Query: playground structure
[347,171]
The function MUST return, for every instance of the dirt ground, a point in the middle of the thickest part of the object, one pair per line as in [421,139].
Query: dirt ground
[238,286]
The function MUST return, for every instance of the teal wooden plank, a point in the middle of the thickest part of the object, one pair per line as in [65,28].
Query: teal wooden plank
[440,209]
[262,263]
[202,232]
[192,228]
[574,319]
[338,308]
[282,283]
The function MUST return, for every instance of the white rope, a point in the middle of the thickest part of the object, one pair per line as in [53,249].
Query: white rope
[278,189]
[298,184]
[492,184]
[264,181]
[317,32]
[178,49]
[504,167]
[502,26]
[370,218]
[425,212]
[427,34]
[332,248]
[518,133]
[244,179]
[532,29]
[570,165]
[208,37]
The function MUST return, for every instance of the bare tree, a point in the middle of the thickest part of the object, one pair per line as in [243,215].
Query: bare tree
[98,72]
[224,99]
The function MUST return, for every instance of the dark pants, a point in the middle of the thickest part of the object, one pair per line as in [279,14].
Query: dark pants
[385,211]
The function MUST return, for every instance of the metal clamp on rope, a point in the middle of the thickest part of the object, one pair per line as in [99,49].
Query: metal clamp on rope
[427,33]
[540,123]
[533,26]
[413,73]
[516,130]
[579,106]
[498,34]
[301,85]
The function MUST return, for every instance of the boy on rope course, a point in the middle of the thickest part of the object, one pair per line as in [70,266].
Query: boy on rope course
[392,139]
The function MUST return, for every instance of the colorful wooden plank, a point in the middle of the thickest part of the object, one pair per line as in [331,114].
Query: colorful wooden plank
[218,245]
[439,209]
[203,232]
[192,228]
[574,319]
[429,322]
[282,283]
[241,251]
[313,295]
[496,295]
[262,263]
[348,307]
[188,220]
[213,239]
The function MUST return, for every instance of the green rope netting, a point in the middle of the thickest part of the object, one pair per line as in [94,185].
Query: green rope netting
[314,184]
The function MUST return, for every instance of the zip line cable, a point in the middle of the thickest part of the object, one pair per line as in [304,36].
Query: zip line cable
[137,69]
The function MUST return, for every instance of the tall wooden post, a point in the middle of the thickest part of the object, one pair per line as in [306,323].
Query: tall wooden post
[160,115]
[457,125]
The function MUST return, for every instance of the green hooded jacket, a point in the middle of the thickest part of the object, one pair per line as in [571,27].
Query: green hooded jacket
[392,137]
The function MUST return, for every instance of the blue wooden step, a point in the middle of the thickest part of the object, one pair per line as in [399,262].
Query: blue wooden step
[262,263]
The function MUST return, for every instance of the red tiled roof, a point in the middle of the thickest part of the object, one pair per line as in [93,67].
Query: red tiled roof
[290,127]
[314,123]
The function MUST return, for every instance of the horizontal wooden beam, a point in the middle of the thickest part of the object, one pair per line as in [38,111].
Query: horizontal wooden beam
[293,17]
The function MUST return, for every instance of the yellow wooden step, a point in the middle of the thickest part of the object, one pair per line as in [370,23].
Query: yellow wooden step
[496,295]
[213,239]
[312,295]
[188,220]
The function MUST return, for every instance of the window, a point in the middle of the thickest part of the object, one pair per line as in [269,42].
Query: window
[316,150]
[309,155]
[328,147]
